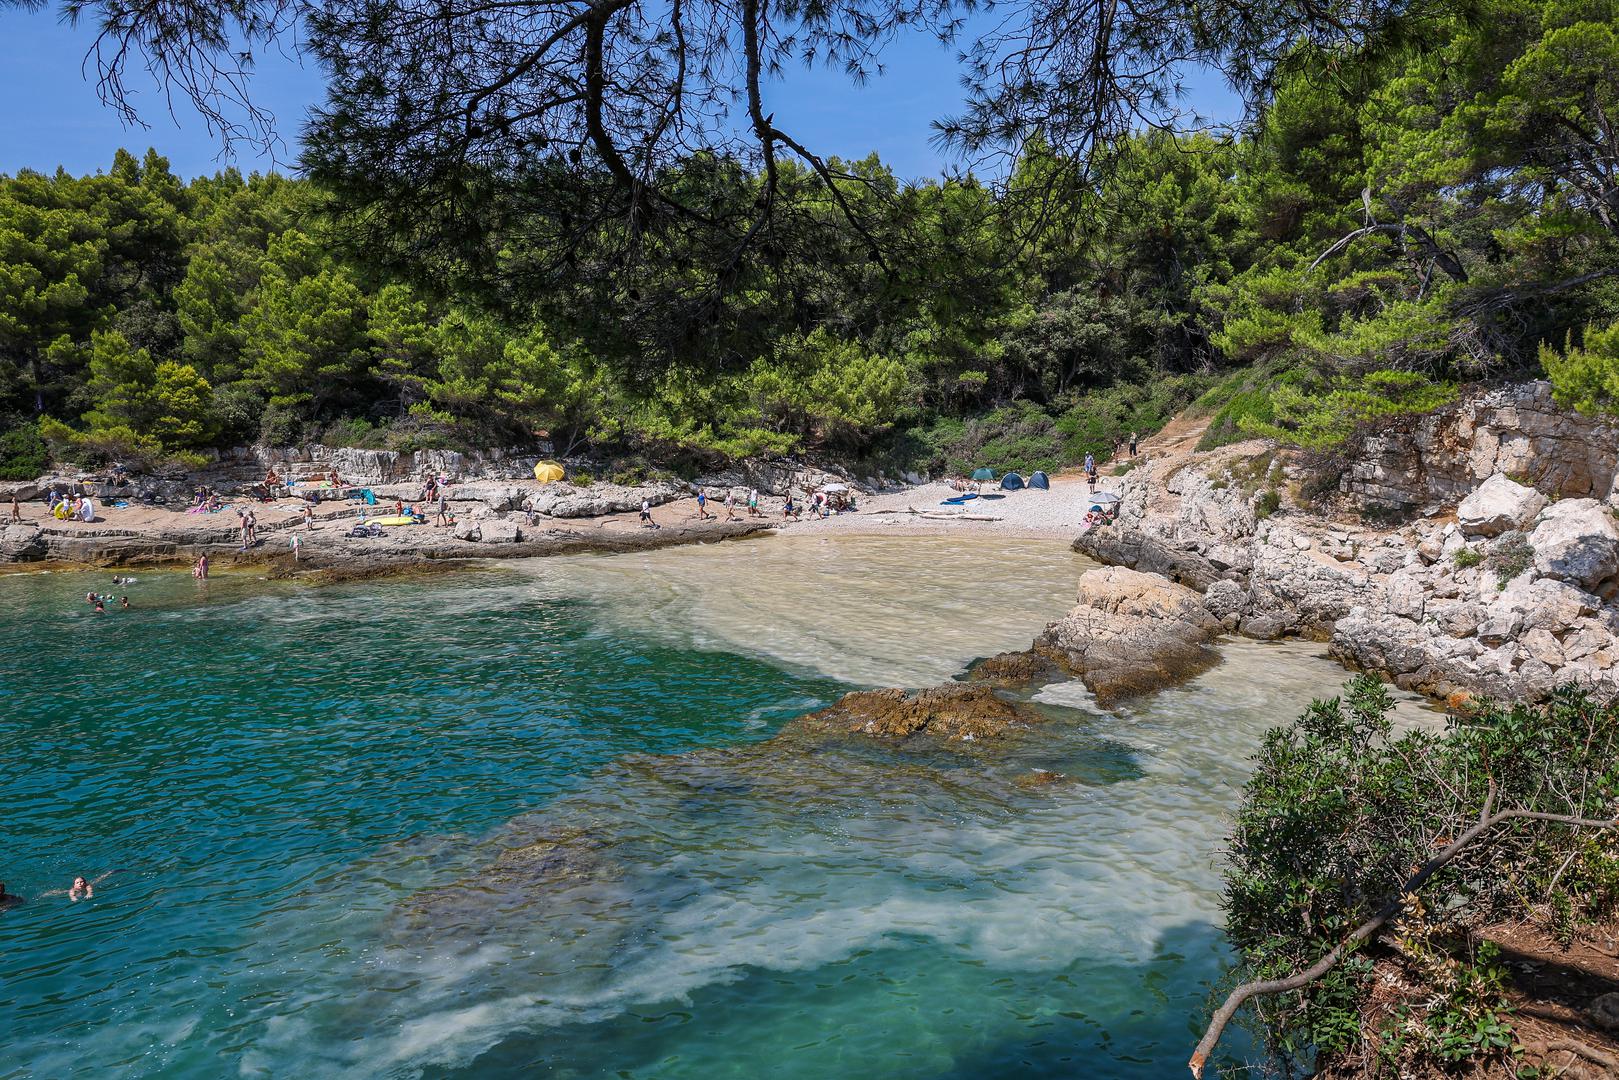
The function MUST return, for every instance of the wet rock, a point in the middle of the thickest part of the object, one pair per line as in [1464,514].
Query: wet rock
[1576,541]
[1015,668]
[1036,779]
[1497,506]
[956,712]
[1132,632]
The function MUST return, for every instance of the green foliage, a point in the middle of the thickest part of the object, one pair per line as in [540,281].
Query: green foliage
[1342,808]
[1321,414]
[23,453]
[1466,558]
[1586,378]
[1511,555]
[1268,502]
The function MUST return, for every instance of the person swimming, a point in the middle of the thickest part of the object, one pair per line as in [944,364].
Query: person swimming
[82,889]
[123,602]
[8,900]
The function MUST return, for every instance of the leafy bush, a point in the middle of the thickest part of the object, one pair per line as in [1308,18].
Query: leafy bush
[23,454]
[1237,402]
[1586,379]
[1341,810]
[1321,414]
[1267,504]
[581,479]
[1466,558]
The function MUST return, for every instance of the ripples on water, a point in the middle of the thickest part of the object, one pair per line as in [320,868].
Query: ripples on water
[528,822]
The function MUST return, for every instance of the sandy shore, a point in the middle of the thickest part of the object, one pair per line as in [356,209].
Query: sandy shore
[1031,515]
[148,535]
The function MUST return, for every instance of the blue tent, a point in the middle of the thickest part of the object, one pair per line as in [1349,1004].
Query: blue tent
[1011,482]
[1040,480]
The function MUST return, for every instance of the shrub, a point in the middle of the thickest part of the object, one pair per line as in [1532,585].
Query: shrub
[1586,379]
[1511,556]
[1321,414]
[1466,558]
[581,479]
[1341,810]
[23,454]
[1267,504]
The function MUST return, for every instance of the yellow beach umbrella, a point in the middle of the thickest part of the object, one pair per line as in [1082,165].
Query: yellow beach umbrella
[547,471]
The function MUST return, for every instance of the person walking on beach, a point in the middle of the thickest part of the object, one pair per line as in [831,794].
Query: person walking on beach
[646,514]
[1090,463]
[730,504]
[753,502]
[241,520]
[309,515]
[252,526]
[702,505]
[443,509]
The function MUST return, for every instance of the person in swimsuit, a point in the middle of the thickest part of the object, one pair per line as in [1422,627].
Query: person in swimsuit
[200,571]
[16,511]
[82,888]
[8,900]
[123,602]
[444,509]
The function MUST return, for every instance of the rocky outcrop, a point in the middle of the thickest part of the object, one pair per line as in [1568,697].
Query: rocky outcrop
[1509,595]
[1132,632]
[953,712]
[21,543]
[1576,541]
[1515,431]
[1497,506]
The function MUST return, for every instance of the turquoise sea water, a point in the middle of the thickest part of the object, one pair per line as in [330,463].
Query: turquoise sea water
[532,822]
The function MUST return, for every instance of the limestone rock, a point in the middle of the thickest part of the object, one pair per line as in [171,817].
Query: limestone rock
[1499,504]
[499,531]
[1132,632]
[21,543]
[1576,541]
[567,501]
[467,528]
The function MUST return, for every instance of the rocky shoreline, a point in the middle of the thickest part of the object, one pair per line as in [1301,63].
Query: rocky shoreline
[1472,553]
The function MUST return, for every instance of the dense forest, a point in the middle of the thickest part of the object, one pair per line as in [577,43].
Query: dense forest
[1396,220]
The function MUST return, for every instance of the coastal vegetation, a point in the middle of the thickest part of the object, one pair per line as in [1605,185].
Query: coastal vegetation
[1387,866]
[1402,215]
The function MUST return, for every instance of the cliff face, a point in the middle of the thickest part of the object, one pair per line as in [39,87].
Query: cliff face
[1502,580]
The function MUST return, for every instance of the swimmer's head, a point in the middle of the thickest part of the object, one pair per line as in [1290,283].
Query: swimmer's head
[80,883]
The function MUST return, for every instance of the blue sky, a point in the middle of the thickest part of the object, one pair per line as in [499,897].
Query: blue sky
[57,119]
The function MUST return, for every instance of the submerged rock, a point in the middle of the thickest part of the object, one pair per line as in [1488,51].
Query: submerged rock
[956,711]
[1132,632]
[1016,668]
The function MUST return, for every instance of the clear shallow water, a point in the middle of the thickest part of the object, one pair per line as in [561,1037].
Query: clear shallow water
[534,822]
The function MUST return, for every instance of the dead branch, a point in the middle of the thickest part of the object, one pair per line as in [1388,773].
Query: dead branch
[1238,997]
[1589,1053]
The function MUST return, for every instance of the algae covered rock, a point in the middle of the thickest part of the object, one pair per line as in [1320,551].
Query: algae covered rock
[955,711]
